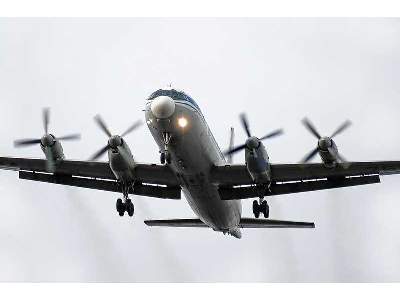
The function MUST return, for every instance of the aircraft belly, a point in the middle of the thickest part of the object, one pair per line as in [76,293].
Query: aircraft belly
[194,152]
[207,205]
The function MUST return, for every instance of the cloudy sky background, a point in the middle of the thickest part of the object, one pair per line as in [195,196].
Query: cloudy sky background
[276,70]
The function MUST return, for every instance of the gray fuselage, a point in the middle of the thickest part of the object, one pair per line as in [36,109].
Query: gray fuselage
[194,152]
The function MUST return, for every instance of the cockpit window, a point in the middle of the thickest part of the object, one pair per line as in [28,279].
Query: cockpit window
[174,94]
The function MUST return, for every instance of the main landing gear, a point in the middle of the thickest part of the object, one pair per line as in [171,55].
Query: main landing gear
[165,156]
[125,205]
[261,206]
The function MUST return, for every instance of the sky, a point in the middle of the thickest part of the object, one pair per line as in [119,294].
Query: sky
[276,70]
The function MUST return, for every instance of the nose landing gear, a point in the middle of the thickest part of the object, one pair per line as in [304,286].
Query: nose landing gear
[165,156]
[125,205]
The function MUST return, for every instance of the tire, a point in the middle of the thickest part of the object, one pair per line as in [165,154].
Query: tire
[131,209]
[265,209]
[121,213]
[119,205]
[162,158]
[168,158]
[256,209]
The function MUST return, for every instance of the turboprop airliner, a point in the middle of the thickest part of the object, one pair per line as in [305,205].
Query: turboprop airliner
[192,164]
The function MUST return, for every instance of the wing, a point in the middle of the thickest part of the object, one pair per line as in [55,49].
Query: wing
[244,223]
[294,178]
[152,180]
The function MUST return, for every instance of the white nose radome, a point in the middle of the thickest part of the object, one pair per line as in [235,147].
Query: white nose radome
[163,107]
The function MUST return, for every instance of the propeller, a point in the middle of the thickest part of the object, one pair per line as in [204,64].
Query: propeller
[47,139]
[252,142]
[324,142]
[113,140]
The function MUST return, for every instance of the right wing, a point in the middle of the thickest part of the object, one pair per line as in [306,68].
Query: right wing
[151,180]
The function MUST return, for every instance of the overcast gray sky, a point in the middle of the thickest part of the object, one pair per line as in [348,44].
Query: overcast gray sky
[276,70]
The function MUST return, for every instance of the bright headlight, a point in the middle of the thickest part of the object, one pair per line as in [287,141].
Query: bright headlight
[182,122]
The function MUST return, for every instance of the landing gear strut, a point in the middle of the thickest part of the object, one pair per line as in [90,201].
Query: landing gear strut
[165,156]
[125,205]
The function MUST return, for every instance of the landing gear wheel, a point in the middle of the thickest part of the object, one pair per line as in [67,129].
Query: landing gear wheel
[168,157]
[130,208]
[256,209]
[120,207]
[265,209]
[162,158]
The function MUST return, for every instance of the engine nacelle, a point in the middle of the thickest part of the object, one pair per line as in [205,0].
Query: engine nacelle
[257,163]
[328,152]
[52,148]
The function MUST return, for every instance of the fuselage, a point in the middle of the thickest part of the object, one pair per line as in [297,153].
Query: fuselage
[194,152]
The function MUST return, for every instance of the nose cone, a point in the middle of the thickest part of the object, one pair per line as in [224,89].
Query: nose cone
[47,140]
[252,142]
[163,107]
[115,141]
[324,143]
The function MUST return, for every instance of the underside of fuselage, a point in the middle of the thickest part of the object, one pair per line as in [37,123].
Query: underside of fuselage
[194,152]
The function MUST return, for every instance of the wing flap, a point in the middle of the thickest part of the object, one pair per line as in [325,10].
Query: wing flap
[237,193]
[232,175]
[145,173]
[164,192]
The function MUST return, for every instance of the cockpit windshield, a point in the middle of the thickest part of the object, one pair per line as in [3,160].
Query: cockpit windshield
[174,94]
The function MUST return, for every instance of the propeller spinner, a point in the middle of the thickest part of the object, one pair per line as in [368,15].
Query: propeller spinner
[47,140]
[113,140]
[326,146]
[252,142]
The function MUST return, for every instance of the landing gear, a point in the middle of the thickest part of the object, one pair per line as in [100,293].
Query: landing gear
[165,156]
[130,208]
[162,158]
[125,205]
[120,207]
[259,208]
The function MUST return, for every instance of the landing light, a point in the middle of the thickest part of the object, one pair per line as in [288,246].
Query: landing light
[182,122]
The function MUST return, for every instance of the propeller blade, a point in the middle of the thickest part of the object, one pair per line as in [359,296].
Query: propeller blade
[234,150]
[26,142]
[99,120]
[231,145]
[245,124]
[341,128]
[311,128]
[99,153]
[272,134]
[310,155]
[46,119]
[70,137]
[132,127]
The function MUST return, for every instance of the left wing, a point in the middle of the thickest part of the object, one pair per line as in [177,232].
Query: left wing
[294,178]
[152,180]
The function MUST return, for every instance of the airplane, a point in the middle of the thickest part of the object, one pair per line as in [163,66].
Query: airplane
[192,163]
